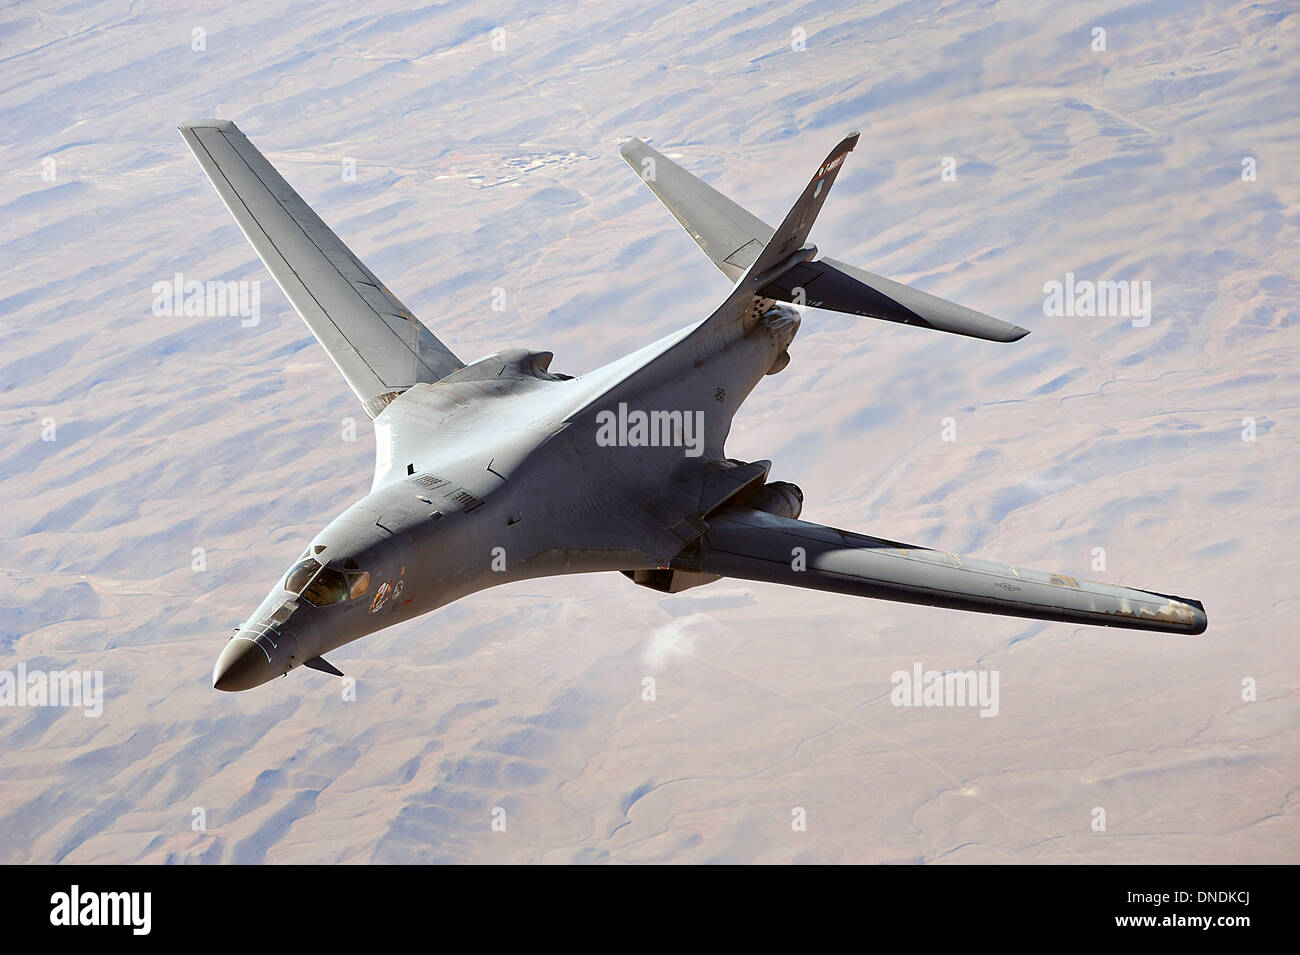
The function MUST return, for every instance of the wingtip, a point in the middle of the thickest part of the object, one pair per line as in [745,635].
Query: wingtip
[1195,621]
[995,330]
[205,123]
[630,145]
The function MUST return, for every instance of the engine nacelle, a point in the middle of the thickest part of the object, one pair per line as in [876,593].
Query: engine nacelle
[780,498]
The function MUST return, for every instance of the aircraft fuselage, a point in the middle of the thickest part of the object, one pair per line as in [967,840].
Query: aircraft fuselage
[504,472]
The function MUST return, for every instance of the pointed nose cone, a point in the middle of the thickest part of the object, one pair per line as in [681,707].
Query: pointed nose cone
[241,666]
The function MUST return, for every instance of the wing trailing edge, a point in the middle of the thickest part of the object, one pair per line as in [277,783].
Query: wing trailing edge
[749,544]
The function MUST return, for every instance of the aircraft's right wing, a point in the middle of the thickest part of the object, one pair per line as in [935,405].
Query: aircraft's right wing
[373,339]
[755,545]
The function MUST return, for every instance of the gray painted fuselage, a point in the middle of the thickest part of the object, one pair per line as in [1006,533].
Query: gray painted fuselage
[519,448]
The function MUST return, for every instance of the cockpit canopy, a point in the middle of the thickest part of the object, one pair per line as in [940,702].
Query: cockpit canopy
[321,585]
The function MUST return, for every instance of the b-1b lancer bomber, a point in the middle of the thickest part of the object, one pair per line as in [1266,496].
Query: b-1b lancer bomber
[502,470]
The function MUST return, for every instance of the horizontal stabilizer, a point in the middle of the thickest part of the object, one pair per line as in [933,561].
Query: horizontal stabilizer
[730,236]
[753,545]
[734,239]
[839,287]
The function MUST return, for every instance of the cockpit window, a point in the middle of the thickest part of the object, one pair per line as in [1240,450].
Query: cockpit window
[300,575]
[326,586]
[329,587]
[358,584]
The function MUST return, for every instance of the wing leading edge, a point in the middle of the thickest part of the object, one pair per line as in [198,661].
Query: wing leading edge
[755,545]
[374,340]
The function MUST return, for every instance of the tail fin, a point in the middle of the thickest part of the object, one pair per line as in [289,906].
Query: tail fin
[787,245]
[781,264]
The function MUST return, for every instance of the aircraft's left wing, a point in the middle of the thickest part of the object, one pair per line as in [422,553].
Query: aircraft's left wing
[755,545]
[373,339]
